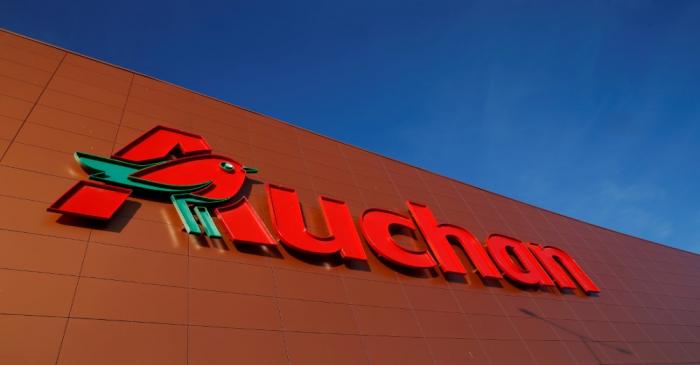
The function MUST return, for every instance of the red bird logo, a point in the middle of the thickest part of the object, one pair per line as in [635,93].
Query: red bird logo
[165,163]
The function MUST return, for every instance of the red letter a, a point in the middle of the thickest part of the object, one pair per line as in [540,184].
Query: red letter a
[160,142]
[525,269]
[558,263]
[243,224]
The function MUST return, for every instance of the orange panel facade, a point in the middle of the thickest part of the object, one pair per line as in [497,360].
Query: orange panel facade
[137,288]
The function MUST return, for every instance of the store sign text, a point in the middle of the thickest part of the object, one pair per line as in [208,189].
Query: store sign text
[199,183]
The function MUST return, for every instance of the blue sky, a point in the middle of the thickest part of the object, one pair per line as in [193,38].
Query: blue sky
[590,109]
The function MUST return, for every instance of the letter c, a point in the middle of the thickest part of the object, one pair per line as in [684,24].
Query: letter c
[375,224]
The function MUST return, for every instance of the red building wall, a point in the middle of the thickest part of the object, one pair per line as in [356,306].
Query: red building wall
[139,290]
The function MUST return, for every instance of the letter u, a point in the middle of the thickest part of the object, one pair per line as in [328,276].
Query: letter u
[288,221]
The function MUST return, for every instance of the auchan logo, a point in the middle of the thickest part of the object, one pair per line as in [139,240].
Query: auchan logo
[173,165]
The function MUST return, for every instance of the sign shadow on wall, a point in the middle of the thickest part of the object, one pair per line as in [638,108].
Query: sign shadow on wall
[586,340]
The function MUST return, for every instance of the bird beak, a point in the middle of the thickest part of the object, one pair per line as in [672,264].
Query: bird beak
[250,170]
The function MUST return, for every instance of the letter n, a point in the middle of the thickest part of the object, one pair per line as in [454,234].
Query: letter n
[560,265]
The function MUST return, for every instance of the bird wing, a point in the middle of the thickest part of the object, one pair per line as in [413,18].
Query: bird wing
[119,172]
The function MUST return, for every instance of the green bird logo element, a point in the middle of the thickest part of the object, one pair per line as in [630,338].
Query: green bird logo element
[170,164]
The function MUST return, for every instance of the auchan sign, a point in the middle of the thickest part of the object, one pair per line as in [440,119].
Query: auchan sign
[170,164]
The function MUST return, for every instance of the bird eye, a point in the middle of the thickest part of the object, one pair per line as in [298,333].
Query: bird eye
[226,166]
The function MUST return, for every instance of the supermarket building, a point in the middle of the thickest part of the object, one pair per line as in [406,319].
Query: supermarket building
[322,254]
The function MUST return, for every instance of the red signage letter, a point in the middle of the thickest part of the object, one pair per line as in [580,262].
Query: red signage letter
[376,225]
[558,263]
[243,224]
[436,235]
[526,271]
[159,142]
[289,223]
